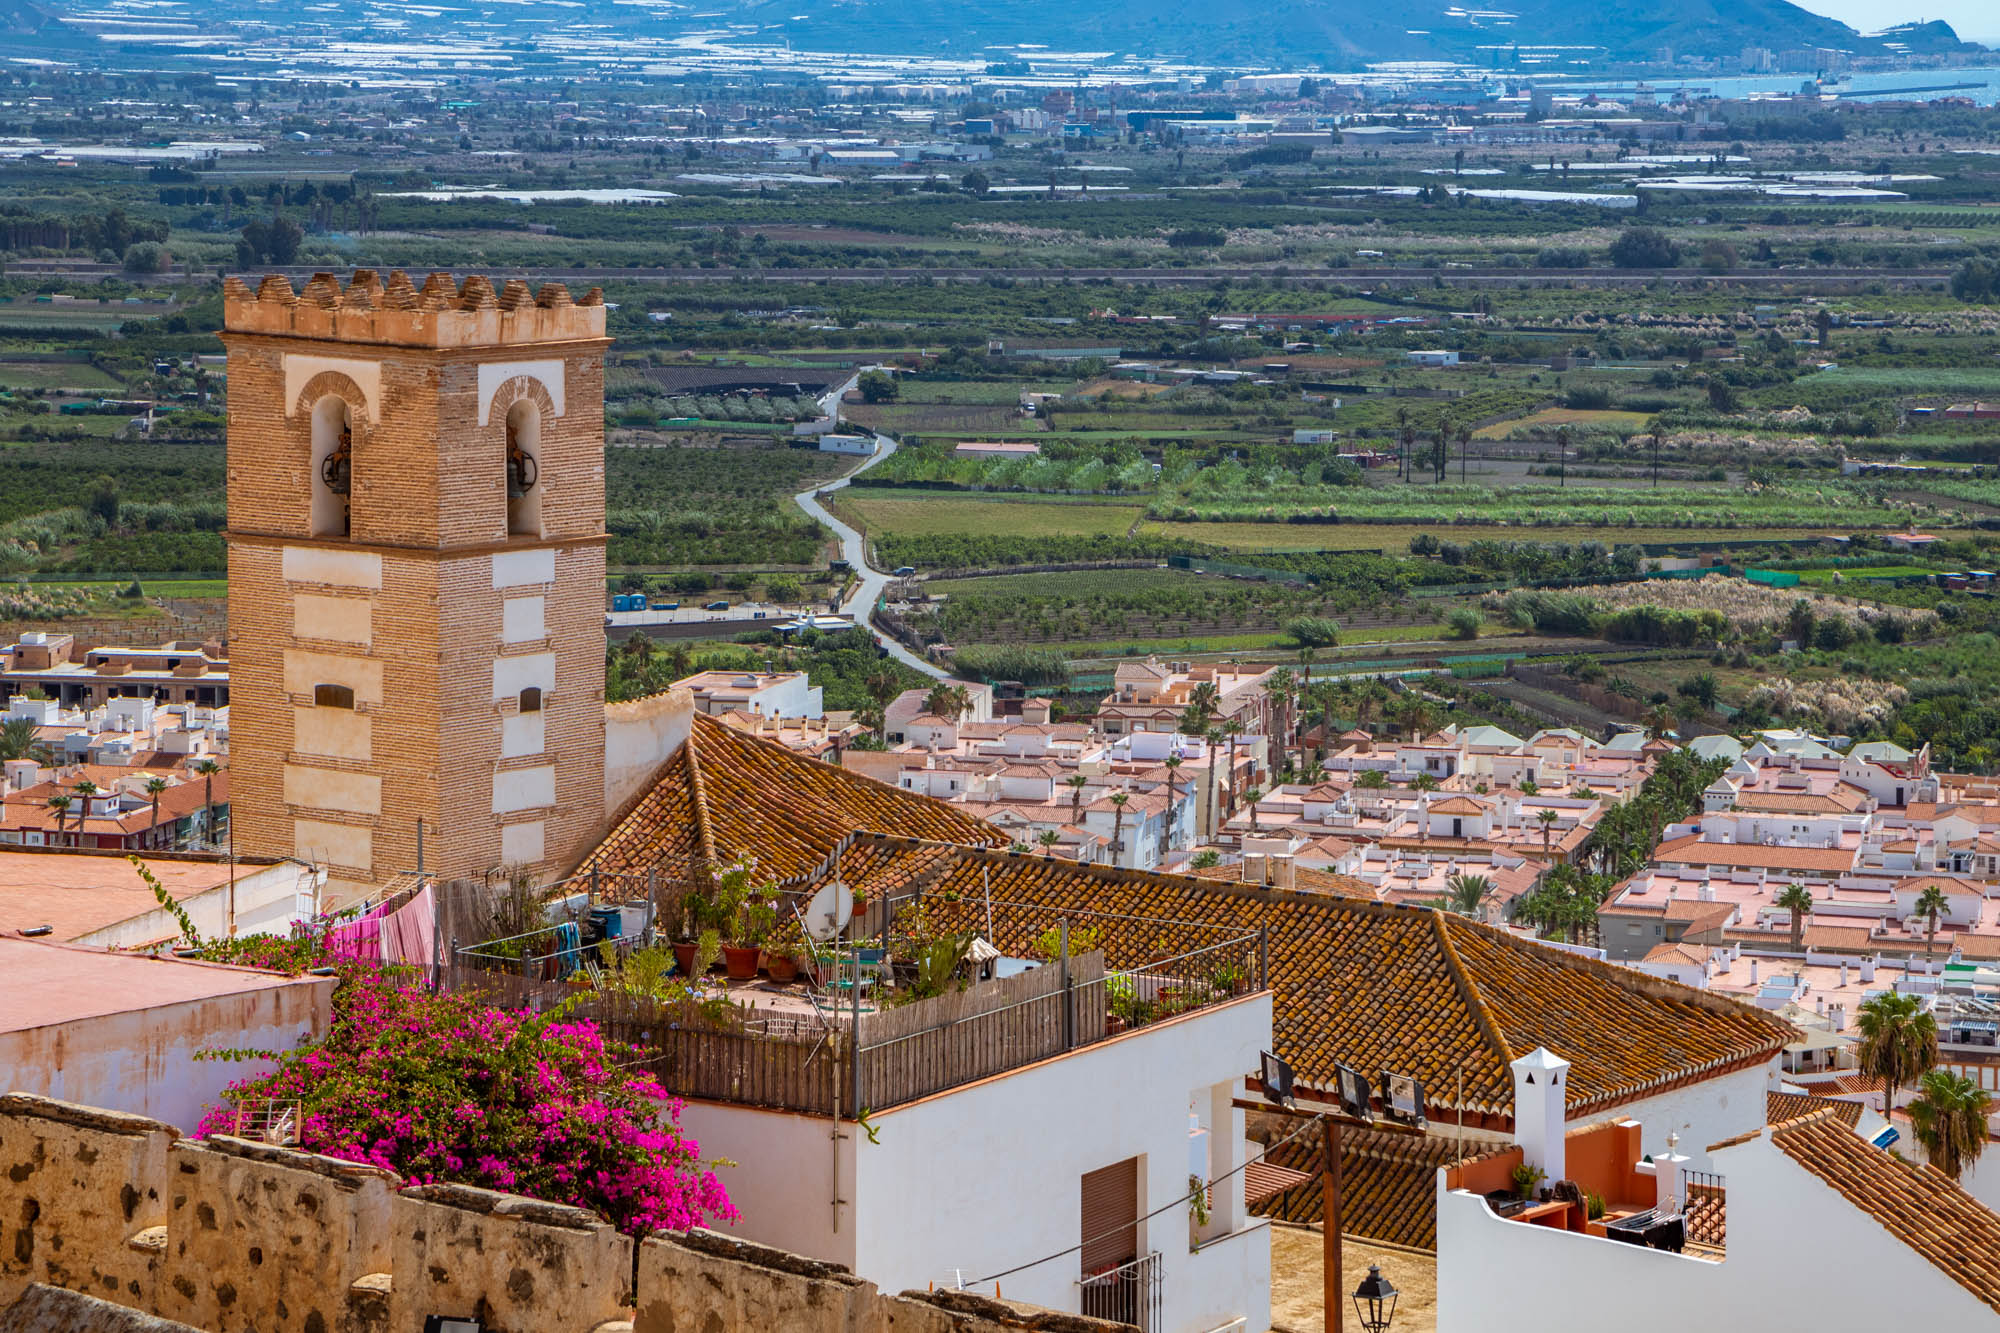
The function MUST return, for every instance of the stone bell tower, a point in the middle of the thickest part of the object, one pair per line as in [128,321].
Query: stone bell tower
[416,574]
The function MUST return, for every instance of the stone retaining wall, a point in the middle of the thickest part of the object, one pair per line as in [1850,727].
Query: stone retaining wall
[233,1236]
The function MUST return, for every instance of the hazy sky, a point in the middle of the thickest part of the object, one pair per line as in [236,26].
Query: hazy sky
[1974,20]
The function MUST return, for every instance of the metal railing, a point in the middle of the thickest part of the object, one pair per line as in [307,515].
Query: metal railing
[1127,1294]
[1706,1209]
[877,1053]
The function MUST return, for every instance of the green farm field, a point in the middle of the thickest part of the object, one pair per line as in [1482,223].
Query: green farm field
[941,515]
[1395,537]
[1549,418]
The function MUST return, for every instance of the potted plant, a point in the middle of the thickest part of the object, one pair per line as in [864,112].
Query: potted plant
[783,947]
[1525,1178]
[751,915]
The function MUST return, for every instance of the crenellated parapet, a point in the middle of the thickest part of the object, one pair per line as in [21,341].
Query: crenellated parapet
[443,313]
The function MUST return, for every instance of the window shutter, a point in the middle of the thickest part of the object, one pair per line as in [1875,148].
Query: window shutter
[1110,1216]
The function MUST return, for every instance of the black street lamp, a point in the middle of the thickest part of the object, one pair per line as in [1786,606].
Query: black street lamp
[1375,1301]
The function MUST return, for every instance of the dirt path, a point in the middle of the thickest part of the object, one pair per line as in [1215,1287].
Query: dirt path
[1295,1281]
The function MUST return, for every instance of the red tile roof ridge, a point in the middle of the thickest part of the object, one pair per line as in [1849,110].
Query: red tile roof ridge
[704,835]
[1468,993]
[1917,1204]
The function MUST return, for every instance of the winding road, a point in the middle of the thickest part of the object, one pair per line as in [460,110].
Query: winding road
[860,603]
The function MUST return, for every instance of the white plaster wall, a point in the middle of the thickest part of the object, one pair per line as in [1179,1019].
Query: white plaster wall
[346,569]
[1495,1276]
[266,902]
[522,734]
[513,569]
[523,844]
[143,1062]
[524,789]
[1842,1268]
[987,1177]
[511,675]
[522,619]
[1982,1182]
[1800,1256]
[639,737]
[1702,1113]
[781,1175]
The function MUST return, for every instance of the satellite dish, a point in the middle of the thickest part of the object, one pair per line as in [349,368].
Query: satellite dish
[828,912]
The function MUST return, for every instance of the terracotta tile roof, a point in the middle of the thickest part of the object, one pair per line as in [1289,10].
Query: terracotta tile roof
[1784,1107]
[1263,1181]
[1388,1184]
[725,795]
[1848,1085]
[1918,1205]
[1691,850]
[1382,987]
[1306,879]
[1458,805]
[1949,885]
[1679,955]
[1802,802]
[1840,939]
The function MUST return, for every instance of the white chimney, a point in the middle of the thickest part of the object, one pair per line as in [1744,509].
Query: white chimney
[1867,969]
[1843,972]
[1284,870]
[1540,1079]
[1837,1015]
[1753,971]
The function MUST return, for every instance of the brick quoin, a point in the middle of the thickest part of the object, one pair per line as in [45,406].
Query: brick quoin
[402,608]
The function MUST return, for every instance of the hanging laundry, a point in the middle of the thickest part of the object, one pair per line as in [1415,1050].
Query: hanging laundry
[409,933]
[359,939]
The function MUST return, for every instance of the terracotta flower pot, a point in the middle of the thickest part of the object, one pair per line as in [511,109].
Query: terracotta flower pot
[740,963]
[781,966]
[684,957]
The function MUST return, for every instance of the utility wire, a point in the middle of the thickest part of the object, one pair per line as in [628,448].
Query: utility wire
[1164,1208]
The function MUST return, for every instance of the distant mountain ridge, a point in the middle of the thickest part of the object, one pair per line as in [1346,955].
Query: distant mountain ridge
[1335,34]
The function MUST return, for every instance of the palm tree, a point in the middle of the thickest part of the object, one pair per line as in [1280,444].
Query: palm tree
[1278,689]
[1118,800]
[1547,819]
[208,768]
[1076,782]
[1948,1116]
[1173,764]
[1798,903]
[156,786]
[1899,1042]
[1203,700]
[84,789]
[59,803]
[948,701]
[1466,894]
[1929,904]
[1252,797]
[1049,838]
[17,738]
[1233,727]
[881,688]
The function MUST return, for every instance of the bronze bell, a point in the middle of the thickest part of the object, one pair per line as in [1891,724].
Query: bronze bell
[521,472]
[337,471]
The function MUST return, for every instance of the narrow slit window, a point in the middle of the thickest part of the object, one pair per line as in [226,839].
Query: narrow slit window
[333,696]
[531,699]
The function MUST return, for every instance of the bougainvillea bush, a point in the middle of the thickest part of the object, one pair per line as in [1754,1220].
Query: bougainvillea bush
[443,1088]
